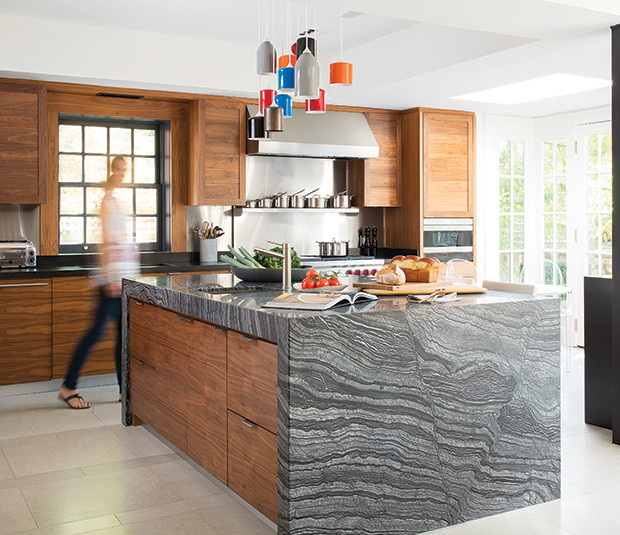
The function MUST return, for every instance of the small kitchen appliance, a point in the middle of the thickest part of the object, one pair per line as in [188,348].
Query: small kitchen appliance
[17,254]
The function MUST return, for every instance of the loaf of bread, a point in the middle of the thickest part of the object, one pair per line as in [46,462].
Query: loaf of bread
[391,274]
[418,269]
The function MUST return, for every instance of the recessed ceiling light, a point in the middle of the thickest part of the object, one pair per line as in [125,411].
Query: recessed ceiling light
[554,85]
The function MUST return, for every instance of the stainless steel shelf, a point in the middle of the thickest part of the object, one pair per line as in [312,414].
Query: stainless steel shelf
[298,210]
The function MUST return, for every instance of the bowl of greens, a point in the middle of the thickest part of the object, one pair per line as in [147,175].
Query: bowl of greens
[261,267]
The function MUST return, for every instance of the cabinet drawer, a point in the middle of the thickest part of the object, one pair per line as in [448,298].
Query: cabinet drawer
[253,464]
[252,379]
[166,422]
[143,348]
[207,445]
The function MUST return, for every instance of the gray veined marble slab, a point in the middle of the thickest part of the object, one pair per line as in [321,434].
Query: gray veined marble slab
[402,418]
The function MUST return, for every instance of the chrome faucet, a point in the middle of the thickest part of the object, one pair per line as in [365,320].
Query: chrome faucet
[285,255]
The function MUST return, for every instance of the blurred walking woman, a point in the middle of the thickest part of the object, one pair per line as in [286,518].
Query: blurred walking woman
[118,258]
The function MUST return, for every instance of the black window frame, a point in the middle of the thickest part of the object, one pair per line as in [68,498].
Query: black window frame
[162,170]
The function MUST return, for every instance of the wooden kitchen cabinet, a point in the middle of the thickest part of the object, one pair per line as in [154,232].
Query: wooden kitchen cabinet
[253,464]
[217,130]
[438,173]
[25,330]
[23,143]
[74,300]
[377,181]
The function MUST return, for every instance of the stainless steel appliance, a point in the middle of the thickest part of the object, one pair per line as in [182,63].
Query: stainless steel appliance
[350,265]
[333,248]
[446,239]
[17,254]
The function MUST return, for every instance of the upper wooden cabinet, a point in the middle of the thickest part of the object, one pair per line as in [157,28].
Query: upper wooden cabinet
[438,170]
[23,143]
[448,154]
[377,181]
[217,152]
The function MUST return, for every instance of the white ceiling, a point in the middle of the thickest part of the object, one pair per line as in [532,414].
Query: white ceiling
[406,53]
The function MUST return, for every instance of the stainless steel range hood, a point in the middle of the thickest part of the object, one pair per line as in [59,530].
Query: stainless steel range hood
[335,134]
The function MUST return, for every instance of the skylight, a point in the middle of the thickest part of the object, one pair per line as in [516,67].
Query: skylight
[554,85]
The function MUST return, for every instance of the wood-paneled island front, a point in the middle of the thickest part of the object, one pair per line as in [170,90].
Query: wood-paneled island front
[374,419]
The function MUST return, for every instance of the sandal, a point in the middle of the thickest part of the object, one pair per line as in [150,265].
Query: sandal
[75,396]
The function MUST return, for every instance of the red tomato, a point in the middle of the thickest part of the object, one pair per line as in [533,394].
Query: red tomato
[333,281]
[307,284]
[321,283]
[311,273]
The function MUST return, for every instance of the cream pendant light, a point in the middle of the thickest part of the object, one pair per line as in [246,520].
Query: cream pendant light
[306,72]
[340,72]
[266,56]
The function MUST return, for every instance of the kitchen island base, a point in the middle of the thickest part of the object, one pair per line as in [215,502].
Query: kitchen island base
[401,419]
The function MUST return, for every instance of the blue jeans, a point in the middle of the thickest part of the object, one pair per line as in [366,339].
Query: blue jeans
[107,307]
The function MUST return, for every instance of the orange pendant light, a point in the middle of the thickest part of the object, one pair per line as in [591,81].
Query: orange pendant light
[341,72]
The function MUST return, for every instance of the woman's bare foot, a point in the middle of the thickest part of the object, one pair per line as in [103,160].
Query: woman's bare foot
[72,398]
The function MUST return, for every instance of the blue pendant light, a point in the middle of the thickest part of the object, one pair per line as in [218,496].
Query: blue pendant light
[286,103]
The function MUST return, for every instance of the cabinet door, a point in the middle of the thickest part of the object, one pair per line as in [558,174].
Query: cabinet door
[378,181]
[74,302]
[253,465]
[217,152]
[252,379]
[25,331]
[448,164]
[23,144]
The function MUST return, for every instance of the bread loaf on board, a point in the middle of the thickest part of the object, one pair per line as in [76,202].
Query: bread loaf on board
[391,274]
[418,269]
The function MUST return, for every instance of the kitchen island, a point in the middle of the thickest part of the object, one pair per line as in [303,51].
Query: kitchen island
[391,417]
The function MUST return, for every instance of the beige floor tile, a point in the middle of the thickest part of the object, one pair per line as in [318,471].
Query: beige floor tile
[74,528]
[14,513]
[60,475]
[16,424]
[235,519]
[160,511]
[186,481]
[102,494]
[62,418]
[183,524]
[85,449]
[28,439]
[129,464]
[5,469]
[140,441]
[108,412]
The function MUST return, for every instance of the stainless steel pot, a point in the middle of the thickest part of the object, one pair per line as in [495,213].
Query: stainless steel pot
[341,200]
[252,203]
[333,248]
[265,202]
[281,200]
[316,201]
[296,200]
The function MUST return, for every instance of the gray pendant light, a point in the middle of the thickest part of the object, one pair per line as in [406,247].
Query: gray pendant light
[266,58]
[273,118]
[307,76]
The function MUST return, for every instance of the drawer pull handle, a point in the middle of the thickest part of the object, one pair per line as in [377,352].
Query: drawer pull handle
[141,362]
[248,423]
[175,273]
[188,320]
[139,303]
[249,338]
[24,284]
[218,329]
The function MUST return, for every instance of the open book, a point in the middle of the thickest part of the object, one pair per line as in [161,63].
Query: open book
[316,301]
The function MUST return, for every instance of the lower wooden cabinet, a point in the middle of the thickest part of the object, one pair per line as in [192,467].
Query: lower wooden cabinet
[74,302]
[25,330]
[253,464]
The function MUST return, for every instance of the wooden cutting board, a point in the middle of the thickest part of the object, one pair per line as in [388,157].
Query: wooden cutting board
[421,288]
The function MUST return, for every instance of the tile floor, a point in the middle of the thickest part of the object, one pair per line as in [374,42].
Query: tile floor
[66,472]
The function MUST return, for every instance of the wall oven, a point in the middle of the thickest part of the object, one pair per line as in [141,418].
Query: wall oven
[446,239]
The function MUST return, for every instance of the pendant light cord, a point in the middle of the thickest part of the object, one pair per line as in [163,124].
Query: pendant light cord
[341,56]
[306,30]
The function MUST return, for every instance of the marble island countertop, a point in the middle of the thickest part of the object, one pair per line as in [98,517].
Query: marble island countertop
[400,418]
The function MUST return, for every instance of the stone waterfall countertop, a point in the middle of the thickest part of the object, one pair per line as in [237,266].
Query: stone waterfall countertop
[400,418]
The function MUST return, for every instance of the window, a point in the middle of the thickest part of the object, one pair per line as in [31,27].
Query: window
[86,148]
[598,210]
[511,209]
[554,211]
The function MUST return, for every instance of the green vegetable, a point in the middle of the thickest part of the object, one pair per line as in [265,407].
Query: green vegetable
[232,261]
[276,263]
[240,258]
[249,257]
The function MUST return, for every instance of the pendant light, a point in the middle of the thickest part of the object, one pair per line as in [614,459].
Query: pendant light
[273,113]
[316,105]
[340,72]
[256,128]
[285,102]
[266,54]
[266,97]
[286,73]
[306,72]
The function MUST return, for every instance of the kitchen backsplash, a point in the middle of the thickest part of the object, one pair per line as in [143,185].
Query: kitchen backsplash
[20,221]
[270,175]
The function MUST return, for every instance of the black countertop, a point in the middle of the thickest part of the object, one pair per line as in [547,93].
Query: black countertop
[74,265]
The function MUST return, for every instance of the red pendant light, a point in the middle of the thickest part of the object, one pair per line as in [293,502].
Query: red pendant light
[316,105]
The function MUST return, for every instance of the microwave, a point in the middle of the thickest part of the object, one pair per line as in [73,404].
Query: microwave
[446,238]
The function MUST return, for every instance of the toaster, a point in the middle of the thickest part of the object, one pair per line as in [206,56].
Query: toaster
[17,254]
